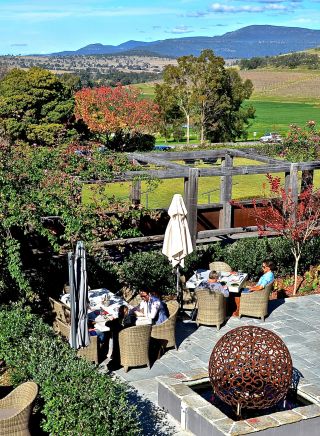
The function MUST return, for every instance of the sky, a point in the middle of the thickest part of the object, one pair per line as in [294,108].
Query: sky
[47,26]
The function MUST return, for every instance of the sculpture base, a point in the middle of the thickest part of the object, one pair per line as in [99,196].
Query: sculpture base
[177,394]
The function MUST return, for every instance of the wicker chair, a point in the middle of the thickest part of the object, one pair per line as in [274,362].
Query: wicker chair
[60,311]
[91,352]
[211,308]
[256,303]
[166,331]
[219,267]
[134,346]
[16,408]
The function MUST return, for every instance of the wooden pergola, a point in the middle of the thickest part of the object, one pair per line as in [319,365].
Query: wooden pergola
[165,166]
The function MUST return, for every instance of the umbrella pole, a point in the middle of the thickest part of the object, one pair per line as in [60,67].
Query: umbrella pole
[179,289]
[72,300]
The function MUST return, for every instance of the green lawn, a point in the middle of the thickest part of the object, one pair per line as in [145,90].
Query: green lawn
[275,116]
[243,187]
[270,115]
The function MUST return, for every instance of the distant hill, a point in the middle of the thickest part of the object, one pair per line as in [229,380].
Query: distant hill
[247,42]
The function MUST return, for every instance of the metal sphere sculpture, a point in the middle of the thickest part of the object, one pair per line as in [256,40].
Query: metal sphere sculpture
[250,368]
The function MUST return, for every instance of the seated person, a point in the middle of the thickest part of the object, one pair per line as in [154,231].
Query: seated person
[268,267]
[213,285]
[124,320]
[152,308]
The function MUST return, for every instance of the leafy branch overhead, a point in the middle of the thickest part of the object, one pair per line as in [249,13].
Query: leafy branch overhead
[38,182]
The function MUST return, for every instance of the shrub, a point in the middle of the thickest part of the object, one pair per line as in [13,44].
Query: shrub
[201,257]
[77,399]
[148,271]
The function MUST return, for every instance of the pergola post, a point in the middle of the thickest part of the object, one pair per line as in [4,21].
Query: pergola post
[306,179]
[136,192]
[287,182]
[192,203]
[294,186]
[225,215]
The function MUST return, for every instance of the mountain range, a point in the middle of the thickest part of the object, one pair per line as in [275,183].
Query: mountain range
[247,42]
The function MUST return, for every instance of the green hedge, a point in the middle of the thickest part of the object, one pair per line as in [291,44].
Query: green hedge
[149,271]
[248,255]
[76,398]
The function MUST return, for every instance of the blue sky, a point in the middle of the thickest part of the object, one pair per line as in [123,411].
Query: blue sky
[46,26]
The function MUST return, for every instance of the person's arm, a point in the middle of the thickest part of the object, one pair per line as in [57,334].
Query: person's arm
[155,305]
[140,310]
[256,288]
[262,283]
[225,291]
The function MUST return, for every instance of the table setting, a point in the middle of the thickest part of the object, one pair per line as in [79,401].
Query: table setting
[103,306]
[233,280]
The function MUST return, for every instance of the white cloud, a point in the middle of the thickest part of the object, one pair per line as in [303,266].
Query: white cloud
[42,11]
[180,29]
[222,8]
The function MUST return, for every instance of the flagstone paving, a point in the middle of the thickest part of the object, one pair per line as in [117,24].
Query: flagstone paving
[295,320]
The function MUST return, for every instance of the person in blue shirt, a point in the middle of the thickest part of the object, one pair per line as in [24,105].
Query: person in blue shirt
[267,277]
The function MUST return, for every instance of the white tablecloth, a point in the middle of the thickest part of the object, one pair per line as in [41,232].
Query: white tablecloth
[234,282]
[100,300]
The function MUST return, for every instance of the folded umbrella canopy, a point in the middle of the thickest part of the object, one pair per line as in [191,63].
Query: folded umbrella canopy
[177,241]
[78,297]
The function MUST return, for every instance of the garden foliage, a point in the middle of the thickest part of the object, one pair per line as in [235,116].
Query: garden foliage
[149,271]
[75,399]
[40,182]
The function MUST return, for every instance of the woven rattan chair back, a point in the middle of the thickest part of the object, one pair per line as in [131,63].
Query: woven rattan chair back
[60,311]
[211,308]
[134,346]
[91,352]
[219,267]
[256,303]
[16,408]
[166,332]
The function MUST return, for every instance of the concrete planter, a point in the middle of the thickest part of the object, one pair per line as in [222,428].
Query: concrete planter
[200,417]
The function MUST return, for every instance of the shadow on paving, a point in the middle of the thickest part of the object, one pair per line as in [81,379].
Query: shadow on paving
[153,419]
[274,304]
[184,330]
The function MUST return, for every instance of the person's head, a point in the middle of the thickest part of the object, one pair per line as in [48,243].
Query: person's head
[123,311]
[213,275]
[268,265]
[144,295]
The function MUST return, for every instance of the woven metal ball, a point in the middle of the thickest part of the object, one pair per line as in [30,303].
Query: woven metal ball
[251,368]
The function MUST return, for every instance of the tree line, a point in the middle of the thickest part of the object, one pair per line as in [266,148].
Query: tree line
[291,60]
[40,108]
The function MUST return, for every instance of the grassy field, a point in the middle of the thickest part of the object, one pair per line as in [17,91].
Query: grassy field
[277,116]
[243,187]
[280,98]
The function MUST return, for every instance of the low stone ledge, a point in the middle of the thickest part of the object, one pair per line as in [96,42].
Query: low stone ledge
[202,418]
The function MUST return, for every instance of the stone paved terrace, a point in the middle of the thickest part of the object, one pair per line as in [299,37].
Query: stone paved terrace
[295,320]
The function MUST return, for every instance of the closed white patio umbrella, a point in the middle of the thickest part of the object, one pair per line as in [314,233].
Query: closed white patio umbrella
[78,297]
[177,241]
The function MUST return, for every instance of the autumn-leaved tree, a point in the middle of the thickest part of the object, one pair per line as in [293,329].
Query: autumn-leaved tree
[297,221]
[112,110]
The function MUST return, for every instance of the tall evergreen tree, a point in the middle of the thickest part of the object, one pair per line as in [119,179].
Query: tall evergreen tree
[210,95]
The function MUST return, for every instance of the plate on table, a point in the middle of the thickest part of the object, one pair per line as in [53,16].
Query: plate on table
[225,274]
